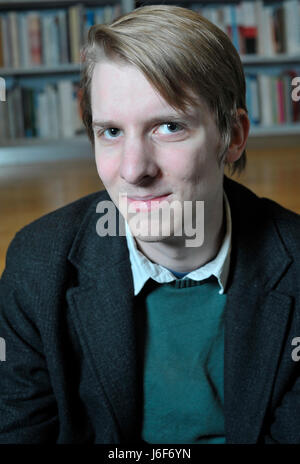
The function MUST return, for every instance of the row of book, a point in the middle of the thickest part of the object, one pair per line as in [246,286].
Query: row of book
[48,37]
[54,112]
[256,27]
[54,36]
[270,99]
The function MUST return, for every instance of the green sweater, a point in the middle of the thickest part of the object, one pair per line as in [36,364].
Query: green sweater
[184,363]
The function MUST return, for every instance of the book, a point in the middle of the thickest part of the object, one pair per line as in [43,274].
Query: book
[34,38]
[1,45]
[24,40]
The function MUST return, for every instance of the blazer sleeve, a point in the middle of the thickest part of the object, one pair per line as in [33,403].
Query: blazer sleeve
[28,410]
[285,427]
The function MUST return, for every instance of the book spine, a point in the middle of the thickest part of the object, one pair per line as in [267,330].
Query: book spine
[280,94]
[292,26]
[24,45]
[6,40]
[265,99]
[14,32]
[35,42]
[1,44]
[65,93]
[63,36]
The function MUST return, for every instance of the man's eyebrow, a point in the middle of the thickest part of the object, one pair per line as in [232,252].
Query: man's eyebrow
[155,119]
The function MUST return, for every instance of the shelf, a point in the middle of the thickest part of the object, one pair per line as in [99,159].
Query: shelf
[62,68]
[247,60]
[127,5]
[267,60]
[28,150]
[279,129]
[38,4]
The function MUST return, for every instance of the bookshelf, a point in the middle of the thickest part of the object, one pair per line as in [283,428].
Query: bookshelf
[28,146]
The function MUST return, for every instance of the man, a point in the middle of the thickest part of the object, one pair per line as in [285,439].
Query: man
[139,337]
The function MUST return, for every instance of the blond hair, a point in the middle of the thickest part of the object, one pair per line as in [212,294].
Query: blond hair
[178,51]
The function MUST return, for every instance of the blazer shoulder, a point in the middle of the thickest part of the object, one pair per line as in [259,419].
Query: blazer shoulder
[264,213]
[287,223]
[52,234]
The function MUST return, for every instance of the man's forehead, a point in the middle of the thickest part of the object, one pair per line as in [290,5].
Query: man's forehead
[195,105]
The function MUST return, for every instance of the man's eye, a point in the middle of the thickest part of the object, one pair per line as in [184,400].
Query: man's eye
[170,127]
[110,133]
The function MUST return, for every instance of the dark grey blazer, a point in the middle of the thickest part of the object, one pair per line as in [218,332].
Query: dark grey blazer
[67,316]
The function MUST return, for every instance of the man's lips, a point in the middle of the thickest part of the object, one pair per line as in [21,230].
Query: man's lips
[149,197]
[147,202]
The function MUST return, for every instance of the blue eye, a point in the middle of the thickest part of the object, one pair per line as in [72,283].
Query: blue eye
[113,131]
[171,126]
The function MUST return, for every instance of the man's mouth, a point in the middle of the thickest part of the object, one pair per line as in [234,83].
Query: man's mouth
[147,202]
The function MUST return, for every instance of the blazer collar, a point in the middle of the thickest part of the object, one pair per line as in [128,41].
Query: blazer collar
[253,235]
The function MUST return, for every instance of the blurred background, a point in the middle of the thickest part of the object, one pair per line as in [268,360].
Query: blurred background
[45,158]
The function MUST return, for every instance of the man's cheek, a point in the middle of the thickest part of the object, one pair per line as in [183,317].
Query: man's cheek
[107,169]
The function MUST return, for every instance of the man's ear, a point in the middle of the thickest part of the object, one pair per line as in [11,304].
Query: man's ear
[239,135]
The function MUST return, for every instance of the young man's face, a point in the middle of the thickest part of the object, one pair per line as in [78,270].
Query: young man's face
[145,148]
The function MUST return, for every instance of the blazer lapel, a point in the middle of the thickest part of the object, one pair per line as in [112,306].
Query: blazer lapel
[256,317]
[102,309]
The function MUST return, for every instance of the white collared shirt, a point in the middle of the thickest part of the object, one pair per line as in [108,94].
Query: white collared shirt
[143,269]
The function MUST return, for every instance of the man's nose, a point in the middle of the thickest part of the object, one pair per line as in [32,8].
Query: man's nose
[138,163]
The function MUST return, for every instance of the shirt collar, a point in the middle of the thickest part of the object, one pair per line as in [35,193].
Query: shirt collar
[143,269]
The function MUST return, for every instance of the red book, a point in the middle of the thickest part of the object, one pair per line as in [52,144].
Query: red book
[34,35]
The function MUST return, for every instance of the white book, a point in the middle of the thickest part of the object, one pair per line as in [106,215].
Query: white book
[247,12]
[42,115]
[207,12]
[117,10]
[217,17]
[268,42]
[99,15]
[50,39]
[54,44]
[108,14]
[52,103]
[46,39]
[239,14]
[24,45]
[14,34]
[65,94]
[292,26]
[227,17]
[265,98]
